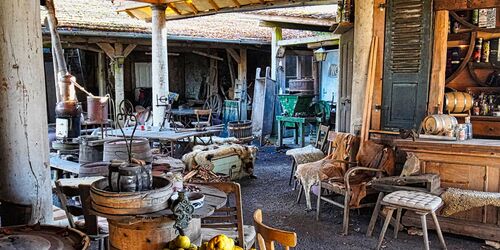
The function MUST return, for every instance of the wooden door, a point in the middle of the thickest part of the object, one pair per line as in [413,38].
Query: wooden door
[343,119]
[407,56]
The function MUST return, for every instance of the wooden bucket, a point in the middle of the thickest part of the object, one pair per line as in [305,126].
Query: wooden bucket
[241,130]
[458,102]
[130,203]
[439,124]
[149,234]
[88,154]
[94,169]
[117,150]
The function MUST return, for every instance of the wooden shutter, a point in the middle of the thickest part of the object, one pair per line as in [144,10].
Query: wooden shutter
[407,63]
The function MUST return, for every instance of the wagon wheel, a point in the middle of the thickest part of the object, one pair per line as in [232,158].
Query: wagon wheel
[214,102]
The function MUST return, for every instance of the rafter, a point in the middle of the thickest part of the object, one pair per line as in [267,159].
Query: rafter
[238,4]
[174,9]
[192,7]
[214,5]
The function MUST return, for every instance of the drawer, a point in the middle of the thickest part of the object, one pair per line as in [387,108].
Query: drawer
[486,128]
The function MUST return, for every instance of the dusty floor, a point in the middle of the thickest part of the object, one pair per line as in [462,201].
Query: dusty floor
[271,193]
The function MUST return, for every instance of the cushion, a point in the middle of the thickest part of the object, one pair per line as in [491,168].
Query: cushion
[306,154]
[413,199]
[248,232]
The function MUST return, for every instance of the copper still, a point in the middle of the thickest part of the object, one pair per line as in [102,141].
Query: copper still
[97,109]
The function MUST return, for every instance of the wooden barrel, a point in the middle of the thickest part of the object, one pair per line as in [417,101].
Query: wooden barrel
[130,203]
[439,124]
[43,237]
[458,102]
[100,168]
[117,150]
[88,154]
[149,234]
[242,130]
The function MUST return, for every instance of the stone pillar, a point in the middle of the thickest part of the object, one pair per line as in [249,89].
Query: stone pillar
[119,81]
[159,57]
[363,30]
[25,187]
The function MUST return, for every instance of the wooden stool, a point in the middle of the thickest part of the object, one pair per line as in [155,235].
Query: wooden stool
[421,203]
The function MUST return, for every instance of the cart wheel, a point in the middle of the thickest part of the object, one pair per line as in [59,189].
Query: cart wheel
[214,102]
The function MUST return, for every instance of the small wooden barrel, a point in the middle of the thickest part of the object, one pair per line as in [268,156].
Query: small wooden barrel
[458,102]
[241,130]
[439,124]
[117,150]
[43,237]
[88,154]
[130,203]
[100,168]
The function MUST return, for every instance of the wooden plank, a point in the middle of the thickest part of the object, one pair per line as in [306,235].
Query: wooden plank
[276,36]
[235,55]
[207,55]
[465,4]
[230,66]
[108,49]
[192,7]
[307,40]
[214,5]
[129,49]
[379,31]
[294,26]
[64,165]
[438,70]
[236,3]
[118,49]
[173,8]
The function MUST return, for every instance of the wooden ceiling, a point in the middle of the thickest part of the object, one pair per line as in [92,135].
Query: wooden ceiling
[178,9]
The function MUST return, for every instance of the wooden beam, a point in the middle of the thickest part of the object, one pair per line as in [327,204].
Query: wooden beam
[465,4]
[322,44]
[118,49]
[235,55]
[438,70]
[214,5]
[294,26]
[108,49]
[207,55]
[238,5]
[192,7]
[379,31]
[129,49]
[101,74]
[174,9]
[307,40]
[276,36]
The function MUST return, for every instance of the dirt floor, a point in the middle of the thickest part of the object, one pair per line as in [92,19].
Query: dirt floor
[271,193]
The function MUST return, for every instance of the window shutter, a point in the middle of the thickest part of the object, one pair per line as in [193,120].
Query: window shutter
[407,64]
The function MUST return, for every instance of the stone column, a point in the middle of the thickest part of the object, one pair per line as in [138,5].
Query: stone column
[159,57]
[25,187]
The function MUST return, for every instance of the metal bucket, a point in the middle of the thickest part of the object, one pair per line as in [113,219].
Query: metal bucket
[94,169]
[97,109]
[88,154]
[242,130]
[117,150]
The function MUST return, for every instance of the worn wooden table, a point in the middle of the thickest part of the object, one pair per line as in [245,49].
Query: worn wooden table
[299,125]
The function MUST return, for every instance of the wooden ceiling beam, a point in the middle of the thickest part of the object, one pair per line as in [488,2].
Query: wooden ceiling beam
[192,7]
[238,4]
[465,4]
[214,5]
[173,8]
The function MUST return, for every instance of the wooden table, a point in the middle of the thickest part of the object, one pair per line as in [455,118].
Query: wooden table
[63,166]
[167,137]
[470,165]
[298,124]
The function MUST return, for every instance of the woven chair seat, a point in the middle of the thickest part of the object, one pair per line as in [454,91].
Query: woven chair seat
[413,200]
[306,154]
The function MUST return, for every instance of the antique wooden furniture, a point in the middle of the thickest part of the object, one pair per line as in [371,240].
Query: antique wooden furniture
[203,118]
[421,203]
[96,228]
[266,236]
[320,145]
[470,165]
[228,220]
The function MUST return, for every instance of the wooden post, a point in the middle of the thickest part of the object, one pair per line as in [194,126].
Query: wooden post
[379,31]
[119,82]
[159,57]
[363,27]
[276,36]
[25,189]
[101,75]
[242,86]
[438,71]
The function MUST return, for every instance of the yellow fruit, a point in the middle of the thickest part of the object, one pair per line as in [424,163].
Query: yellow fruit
[237,248]
[221,242]
[193,247]
[182,242]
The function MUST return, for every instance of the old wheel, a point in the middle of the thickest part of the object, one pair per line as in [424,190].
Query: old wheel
[214,102]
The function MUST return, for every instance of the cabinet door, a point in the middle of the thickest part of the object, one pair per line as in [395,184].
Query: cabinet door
[407,63]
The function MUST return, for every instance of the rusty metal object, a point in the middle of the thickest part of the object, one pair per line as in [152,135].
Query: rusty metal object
[183,212]
[97,109]
[42,237]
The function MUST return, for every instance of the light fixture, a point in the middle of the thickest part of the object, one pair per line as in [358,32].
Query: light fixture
[320,55]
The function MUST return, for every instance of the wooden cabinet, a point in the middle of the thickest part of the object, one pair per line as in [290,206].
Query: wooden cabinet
[486,126]
[471,165]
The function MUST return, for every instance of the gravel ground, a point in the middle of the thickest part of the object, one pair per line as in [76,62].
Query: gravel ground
[271,193]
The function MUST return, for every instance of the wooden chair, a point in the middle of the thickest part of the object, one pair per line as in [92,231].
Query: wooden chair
[203,118]
[321,145]
[266,236]
[228,220]
[79,189]
[344,189]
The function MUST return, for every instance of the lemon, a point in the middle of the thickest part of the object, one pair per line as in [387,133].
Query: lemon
[237,248]
[193,247]
[182,242]
[221,242]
